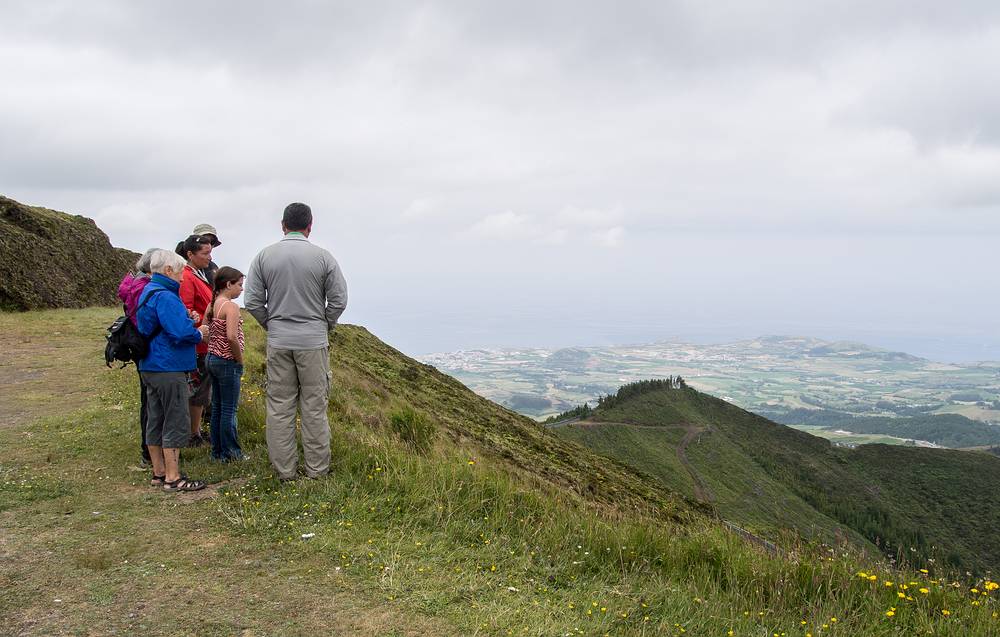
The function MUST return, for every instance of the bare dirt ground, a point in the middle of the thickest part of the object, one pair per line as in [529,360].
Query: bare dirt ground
[49,367]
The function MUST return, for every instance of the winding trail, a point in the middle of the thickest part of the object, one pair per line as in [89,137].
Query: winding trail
[701,490]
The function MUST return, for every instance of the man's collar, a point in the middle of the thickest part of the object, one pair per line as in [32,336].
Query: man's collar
[295,235]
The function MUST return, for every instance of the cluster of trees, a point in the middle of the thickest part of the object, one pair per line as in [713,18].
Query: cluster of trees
[624,392]
[639,387]
[578,413]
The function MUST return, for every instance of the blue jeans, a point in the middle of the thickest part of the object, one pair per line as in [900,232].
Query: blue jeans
[225,375]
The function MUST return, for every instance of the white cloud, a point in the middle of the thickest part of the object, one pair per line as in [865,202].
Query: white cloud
[502,225]
[589,217]
[610,238]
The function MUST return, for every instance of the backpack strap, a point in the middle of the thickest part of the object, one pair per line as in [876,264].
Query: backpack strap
[156,331]
[144,301]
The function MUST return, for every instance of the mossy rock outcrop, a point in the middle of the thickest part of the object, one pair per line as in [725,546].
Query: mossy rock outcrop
[50,259]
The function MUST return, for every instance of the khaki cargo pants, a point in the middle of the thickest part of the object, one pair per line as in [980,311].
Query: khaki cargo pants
[298,378]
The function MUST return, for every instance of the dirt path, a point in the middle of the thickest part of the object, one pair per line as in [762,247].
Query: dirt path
[50,362]
[701,490]
[691,432]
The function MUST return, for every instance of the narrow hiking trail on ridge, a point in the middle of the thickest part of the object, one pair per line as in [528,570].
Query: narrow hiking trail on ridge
[691,433]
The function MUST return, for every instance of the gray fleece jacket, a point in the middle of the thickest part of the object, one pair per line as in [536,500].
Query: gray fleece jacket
[297,292]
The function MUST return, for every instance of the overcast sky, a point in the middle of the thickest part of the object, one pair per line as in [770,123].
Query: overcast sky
[544,173]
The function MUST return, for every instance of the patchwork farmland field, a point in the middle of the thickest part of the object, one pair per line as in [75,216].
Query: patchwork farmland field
[780,377]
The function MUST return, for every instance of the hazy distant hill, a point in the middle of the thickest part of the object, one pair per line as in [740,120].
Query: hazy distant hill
[912,502]
[792,379]
[50,259]
[945,430]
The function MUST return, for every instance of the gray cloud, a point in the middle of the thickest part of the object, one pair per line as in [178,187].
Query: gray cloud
[445,132]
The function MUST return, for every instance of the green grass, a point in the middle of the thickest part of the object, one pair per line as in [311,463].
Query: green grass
[651,450]
[915,504]
[496,527]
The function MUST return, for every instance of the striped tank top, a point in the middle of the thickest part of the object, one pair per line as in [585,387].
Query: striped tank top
[218,344]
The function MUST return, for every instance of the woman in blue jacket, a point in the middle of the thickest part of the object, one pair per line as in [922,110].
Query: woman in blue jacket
[164,320]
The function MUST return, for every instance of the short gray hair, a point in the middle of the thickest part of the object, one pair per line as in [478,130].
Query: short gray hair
[161,259]
[142,265]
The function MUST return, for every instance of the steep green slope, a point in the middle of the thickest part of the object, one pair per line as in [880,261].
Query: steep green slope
[947,430]
[651,449]
[51,259]
[375,377]
[913,503]
[717,471]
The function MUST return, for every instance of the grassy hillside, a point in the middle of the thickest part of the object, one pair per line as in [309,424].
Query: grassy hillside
[916,504]
[51,259]
[948,430]
[444,514]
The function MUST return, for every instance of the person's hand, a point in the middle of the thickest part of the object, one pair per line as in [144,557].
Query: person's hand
[194,316]
[204,331]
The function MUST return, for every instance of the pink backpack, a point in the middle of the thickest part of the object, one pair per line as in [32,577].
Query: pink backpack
[129,290]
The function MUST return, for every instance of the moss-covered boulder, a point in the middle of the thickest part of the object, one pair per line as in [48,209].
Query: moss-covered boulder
[51,259]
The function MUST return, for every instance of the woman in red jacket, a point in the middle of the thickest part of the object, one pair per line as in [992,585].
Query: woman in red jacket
[196,294]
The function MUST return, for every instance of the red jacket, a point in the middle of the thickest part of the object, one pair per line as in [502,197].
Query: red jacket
[196,295]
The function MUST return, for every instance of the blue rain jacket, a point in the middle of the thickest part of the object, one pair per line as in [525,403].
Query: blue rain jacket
[172,347]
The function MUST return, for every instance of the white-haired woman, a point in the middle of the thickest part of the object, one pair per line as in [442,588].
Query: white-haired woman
[172,335]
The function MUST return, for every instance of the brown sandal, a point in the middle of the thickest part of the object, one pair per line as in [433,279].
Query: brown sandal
[183,484]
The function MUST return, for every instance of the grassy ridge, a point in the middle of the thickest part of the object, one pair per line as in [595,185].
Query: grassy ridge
[41,260]
[459,525]
[948,430]
[916,504]
[651,450]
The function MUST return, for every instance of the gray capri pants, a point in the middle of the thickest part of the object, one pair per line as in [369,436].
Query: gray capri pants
[168,419]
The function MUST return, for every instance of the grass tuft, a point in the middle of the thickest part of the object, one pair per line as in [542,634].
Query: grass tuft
[413,427]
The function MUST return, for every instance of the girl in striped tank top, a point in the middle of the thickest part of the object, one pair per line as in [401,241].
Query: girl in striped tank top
[225,362]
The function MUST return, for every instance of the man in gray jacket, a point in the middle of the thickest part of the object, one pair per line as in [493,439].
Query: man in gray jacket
[297,292]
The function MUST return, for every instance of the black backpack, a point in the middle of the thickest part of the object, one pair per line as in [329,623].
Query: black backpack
[125,342]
